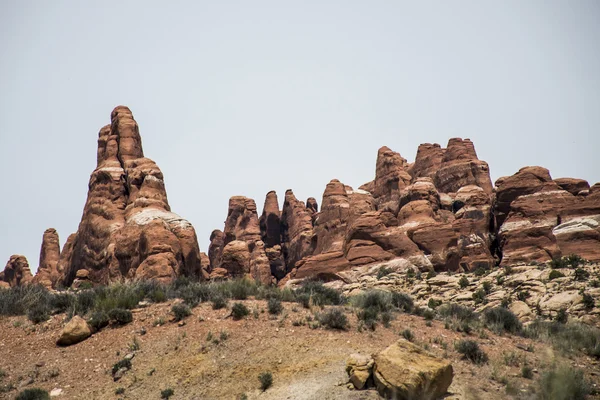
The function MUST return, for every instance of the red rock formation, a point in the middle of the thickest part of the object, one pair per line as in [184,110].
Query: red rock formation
[461,167]
[16,272]
[573,186]
[428,161]
[48,273]
[127,229]
[296,230]
[312,205]
[270,221]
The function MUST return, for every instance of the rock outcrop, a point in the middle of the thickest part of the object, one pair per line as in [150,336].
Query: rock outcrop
[76,330]
[48,273]
[127,230]
[16,272]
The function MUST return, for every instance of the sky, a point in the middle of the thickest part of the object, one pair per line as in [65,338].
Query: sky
[239,97]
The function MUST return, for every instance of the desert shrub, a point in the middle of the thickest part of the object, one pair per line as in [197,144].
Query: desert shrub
[431,274]
[557,263]
[61,302]
[428,314]
[487,287]
[218,301]
[368,317]
[479,296]
[181,311]
[523,295]
[403,302]
[240,289]
[570,261]
[595,283]
[527,372]
[500,280]
[84,302]
[19,299]
[408,335]
[119,390]
[501,320]
[562,316]
[193,294]
[383,271]
[98,320]
[563,383]
[555,274]
[386,318]
[568,338]
[588,301]
[166,393]
[480,271]
[239,311]
[38,313]
[470,350]
[266,380]
[119,316]
[118,296]
[433,303]
[458,318]
[124,363]
[274,306]
[581,274]
[317,294]
[33,394]
[333,319]
[463,282]
[376,299]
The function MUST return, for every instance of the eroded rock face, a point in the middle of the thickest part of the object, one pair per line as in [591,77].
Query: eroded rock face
[48,273]
[296,230]
[16,272]
[270,221]
[127,229]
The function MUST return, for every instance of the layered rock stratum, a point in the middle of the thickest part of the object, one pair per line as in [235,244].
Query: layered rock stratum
[440,213]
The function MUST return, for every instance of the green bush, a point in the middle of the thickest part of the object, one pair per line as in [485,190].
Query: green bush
[588,301]
[555,274]
[274,306]
[317,294]
[431,274]
[383,271]
[181,311]
[33,394]
[571,337]
[119,316]
[166,393]
[463,282]
[527,372]
[98,320]
[470,350]
[433,303]
[38,313]
[562,316]
[563,383]
[403,302]
[62,302]
[523,295]
[487,287]
[408,335]
[266,380]
[19,299]
[333,318]
[479,296]
[581,275]
[501,320]
[239,311]
[218,301]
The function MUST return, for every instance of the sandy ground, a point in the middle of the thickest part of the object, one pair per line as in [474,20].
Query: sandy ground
[306,363]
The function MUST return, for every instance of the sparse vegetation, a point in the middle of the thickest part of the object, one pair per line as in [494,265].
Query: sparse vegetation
[239,311]
[119,316]
[383,271]
[555,274]
[181,311]
[563,383]
[314,293]
[98,320]
[119,390]
[218,301]
[500,319]
[33,394]
[470,350]
[570,337]
[570,261]
[274,306]
[581,275]
[463,282]
[588,301]
[479,296]
[408,335]
[266,380]
[166,393]
[433,303]
[333,318]
[124,363]
[527,372]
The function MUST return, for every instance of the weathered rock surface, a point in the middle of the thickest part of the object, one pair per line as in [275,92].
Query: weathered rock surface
[48,273]
[76,330]
[127,229]
[359,369]
[16,272]
[405,371]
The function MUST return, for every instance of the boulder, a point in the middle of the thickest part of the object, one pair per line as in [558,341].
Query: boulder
[405,371]
[359,369]
[76,330]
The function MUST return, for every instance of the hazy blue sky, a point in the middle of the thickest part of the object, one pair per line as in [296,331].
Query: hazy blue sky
[241,97]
